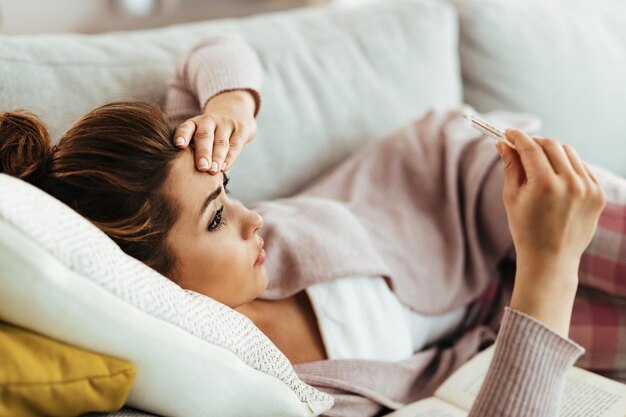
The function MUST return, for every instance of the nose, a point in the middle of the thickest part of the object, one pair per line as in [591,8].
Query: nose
[258,220]
[254,222]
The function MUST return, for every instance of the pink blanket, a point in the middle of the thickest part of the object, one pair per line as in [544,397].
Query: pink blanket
[421,206]
[408,206]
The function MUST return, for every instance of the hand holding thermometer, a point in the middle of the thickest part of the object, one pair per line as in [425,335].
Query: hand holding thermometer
[488,129]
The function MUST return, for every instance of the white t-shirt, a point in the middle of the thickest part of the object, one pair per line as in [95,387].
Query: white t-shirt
[361,318]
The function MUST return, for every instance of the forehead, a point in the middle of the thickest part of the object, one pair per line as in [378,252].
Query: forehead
[188,186]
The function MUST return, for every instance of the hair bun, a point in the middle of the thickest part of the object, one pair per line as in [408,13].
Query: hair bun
[25,146]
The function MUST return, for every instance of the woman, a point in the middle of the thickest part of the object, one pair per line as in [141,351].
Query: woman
[168,207]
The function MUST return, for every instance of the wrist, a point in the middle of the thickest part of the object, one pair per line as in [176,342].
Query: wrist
[563,270]
[239,97]
[546,291]
[554,310]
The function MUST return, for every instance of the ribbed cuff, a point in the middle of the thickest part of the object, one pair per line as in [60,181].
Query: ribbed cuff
[221,64]
[527,373]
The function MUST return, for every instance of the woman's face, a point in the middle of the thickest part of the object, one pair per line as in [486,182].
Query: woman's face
[215,257]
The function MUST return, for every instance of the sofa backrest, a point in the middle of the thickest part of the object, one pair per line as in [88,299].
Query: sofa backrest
[335,78]
[562,60]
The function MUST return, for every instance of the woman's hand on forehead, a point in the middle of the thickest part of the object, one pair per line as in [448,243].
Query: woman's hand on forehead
[226,124]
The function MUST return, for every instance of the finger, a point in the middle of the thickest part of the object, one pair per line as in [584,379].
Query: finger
[576,162]
[236,144]
[534,160]
[557,156]
[513,170]
[203,142]
[183,133]
[590,172]
[221,146]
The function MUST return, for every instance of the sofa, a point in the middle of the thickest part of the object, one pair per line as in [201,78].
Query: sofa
[339,76]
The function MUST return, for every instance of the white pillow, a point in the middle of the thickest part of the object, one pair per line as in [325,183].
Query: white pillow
[62,277]
[563,60]
[335,78]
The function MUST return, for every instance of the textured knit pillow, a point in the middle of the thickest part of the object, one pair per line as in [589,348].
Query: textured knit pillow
[63,277]
[40,376]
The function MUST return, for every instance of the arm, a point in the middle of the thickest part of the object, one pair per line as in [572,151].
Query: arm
[526,376]
[553,203]
[215,65]
[214,99]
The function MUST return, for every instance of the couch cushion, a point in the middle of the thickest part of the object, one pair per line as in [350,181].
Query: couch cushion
[41,376]
[562,60]
[335,78]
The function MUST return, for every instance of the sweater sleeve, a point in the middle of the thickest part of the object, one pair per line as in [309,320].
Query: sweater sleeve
[215,65]
[526,376]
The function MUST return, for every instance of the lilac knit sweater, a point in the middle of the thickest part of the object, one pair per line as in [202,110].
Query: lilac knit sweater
[527,375]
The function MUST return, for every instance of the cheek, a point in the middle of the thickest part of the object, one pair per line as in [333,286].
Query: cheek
[220,254]
[218,265]
[230,256]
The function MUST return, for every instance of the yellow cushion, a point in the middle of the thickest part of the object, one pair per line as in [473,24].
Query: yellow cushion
[40,376]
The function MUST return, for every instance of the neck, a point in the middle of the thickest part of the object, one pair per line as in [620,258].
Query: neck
[255,310]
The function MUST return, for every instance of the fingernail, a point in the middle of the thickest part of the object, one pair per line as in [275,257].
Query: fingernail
[214,166]
[180,141]
[510,135]
[203,163]
[499,148]
[224,166]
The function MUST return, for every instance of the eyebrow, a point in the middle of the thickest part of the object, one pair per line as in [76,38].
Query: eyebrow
[211,197]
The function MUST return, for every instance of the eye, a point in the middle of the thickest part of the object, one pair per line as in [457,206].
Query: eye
[218,221]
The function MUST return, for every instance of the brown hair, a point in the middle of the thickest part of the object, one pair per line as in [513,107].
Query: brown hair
[110,167]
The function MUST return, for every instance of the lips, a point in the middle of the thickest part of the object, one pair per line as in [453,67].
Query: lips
[261,258]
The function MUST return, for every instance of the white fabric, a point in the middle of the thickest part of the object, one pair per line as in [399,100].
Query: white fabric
[62,277]
[361,318]
[562,60]
[334,79]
